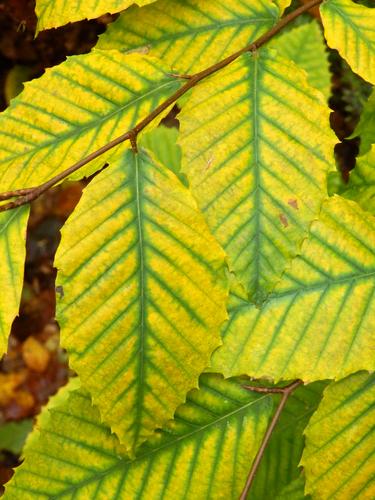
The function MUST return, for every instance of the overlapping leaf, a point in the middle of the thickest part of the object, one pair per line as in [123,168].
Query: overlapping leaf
[74,109]
[144,294]
[190,35]
[361,186]
[349,28]
[305,46]
[54,13]
[256,149]
[12,252]
[162,141]
[279,465]
[204,453]
[320,320]
[338,458]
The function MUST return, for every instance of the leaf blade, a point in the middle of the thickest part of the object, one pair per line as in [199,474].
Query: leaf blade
[319,317]
[339,441]
[348,27]
[73,110]
[144,293]
[52,14]
[85,459]
[190,34]
[245,153]
[13,252]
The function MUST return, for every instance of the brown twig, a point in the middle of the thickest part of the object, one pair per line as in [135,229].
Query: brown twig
[286,392]
[27,195]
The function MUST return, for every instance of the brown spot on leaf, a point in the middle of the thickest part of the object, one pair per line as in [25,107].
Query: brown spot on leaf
[283,220]
[293,203]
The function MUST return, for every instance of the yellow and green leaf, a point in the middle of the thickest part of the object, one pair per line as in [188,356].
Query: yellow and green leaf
[319,322]
[144,294]
[257,162]
[361,186]
[74,109]
[338,458]
[13,252]
[305,46]
[349,28]
[205,452]
[190,35]
[54,13]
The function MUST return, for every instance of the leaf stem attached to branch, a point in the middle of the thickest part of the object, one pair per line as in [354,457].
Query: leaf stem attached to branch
[286,392]
[27,195]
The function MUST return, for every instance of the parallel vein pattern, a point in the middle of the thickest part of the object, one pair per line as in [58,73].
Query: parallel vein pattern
[350,28]
[74,109]
[54,13]
[257,162]
[144,294]
[189,35]
[205,452]
[12,251]
[320,320]
[339,454]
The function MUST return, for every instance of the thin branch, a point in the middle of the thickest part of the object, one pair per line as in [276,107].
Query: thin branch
[27,195]
[286,392]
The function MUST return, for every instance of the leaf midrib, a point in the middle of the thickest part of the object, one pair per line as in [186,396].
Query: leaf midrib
[142,313]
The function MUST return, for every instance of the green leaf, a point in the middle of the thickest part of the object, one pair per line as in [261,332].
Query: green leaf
[361,187]
[13,435]
[13,252]
[190,35]
[256,161]
[204,453]
[338,458]
[279,465]
[162,143]
[54,13]
[144,294]
[74,109]
[320,320]
[313,58]
[349,28]
[294,490]
[365,129]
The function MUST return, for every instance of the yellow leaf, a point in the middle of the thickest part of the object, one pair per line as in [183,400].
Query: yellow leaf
[218,429]
[338,458]
[349,28]
[319,322]
[190,35]
[12,253]
[144,294]
[54,13]
[73,110]
[256,149]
